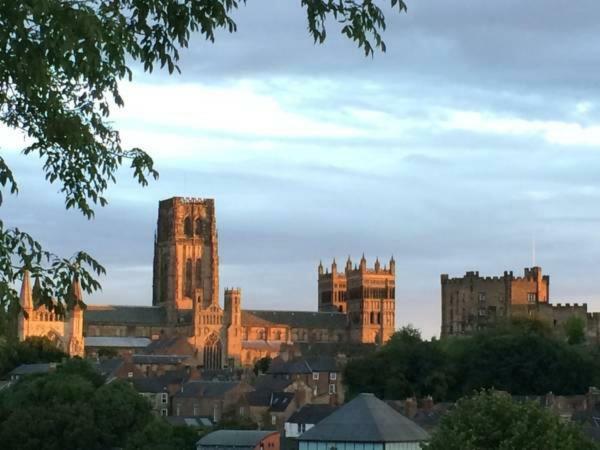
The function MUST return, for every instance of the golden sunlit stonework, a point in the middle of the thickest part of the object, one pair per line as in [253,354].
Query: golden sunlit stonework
[473,302]
[357,306]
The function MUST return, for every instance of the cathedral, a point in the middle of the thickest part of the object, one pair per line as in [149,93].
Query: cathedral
[356,306]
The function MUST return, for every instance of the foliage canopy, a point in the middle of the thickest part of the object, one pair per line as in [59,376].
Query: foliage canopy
[73,408]
[523,359]
[491,420]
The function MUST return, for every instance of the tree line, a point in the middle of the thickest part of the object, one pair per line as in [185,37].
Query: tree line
[521,357]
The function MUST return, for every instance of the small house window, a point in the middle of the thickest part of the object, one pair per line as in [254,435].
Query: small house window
[332,389]
[315,376]
[164,398]
[164,412]
[333,376]
[273,419]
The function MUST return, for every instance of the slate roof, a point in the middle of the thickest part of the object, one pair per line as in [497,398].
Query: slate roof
[192,421]
[366,419]
[279,366]
[149,385]
[158,359]
[294,319]
[175,345]
[322,364]
[116,342]
[303,365]
[234,438]
[311,414]
[271,384]
[106,367]
[198,388]
[280,401]
[134,315]
[31,369]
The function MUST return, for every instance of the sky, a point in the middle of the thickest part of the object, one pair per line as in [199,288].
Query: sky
[471,144]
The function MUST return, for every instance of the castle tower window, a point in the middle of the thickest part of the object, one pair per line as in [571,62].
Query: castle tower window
[188,278]
[198,227]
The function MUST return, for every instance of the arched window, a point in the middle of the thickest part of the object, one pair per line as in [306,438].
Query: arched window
[372,317]
[199,272]
[212,353]
[187,226]
[198,227]
[188,278]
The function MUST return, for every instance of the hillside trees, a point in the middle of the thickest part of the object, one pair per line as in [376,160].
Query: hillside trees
[523,359]
[491,420]
[61,62]
[70,408]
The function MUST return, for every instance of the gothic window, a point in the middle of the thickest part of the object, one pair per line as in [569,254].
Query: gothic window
[188,278]
[212,353]
[199,272]
[372,317]
[187,226]
[198,227]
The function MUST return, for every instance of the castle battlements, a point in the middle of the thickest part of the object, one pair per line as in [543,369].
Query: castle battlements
[569,306]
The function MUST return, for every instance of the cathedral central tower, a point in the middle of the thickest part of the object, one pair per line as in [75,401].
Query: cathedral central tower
[186,260]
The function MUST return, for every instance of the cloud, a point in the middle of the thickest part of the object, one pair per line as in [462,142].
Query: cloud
[476,130]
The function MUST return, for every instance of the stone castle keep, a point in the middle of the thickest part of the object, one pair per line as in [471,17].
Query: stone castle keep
[357,306]
[473,303]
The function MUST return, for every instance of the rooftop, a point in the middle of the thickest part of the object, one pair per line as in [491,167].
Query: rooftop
[294,319]
[141,315]
[199,388]
[116,342]
[366,419]
[31,369]
[234,438]
[311,414]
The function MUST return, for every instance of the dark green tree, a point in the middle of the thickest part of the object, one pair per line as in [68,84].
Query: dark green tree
[31,350]
[406,366]
[575,330]
[158,435]
[61,62]
[491,420]
[262,365]
[521,358]
[70,408]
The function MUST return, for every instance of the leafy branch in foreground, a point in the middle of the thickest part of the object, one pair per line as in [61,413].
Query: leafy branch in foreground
[61,62]
[52,275]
